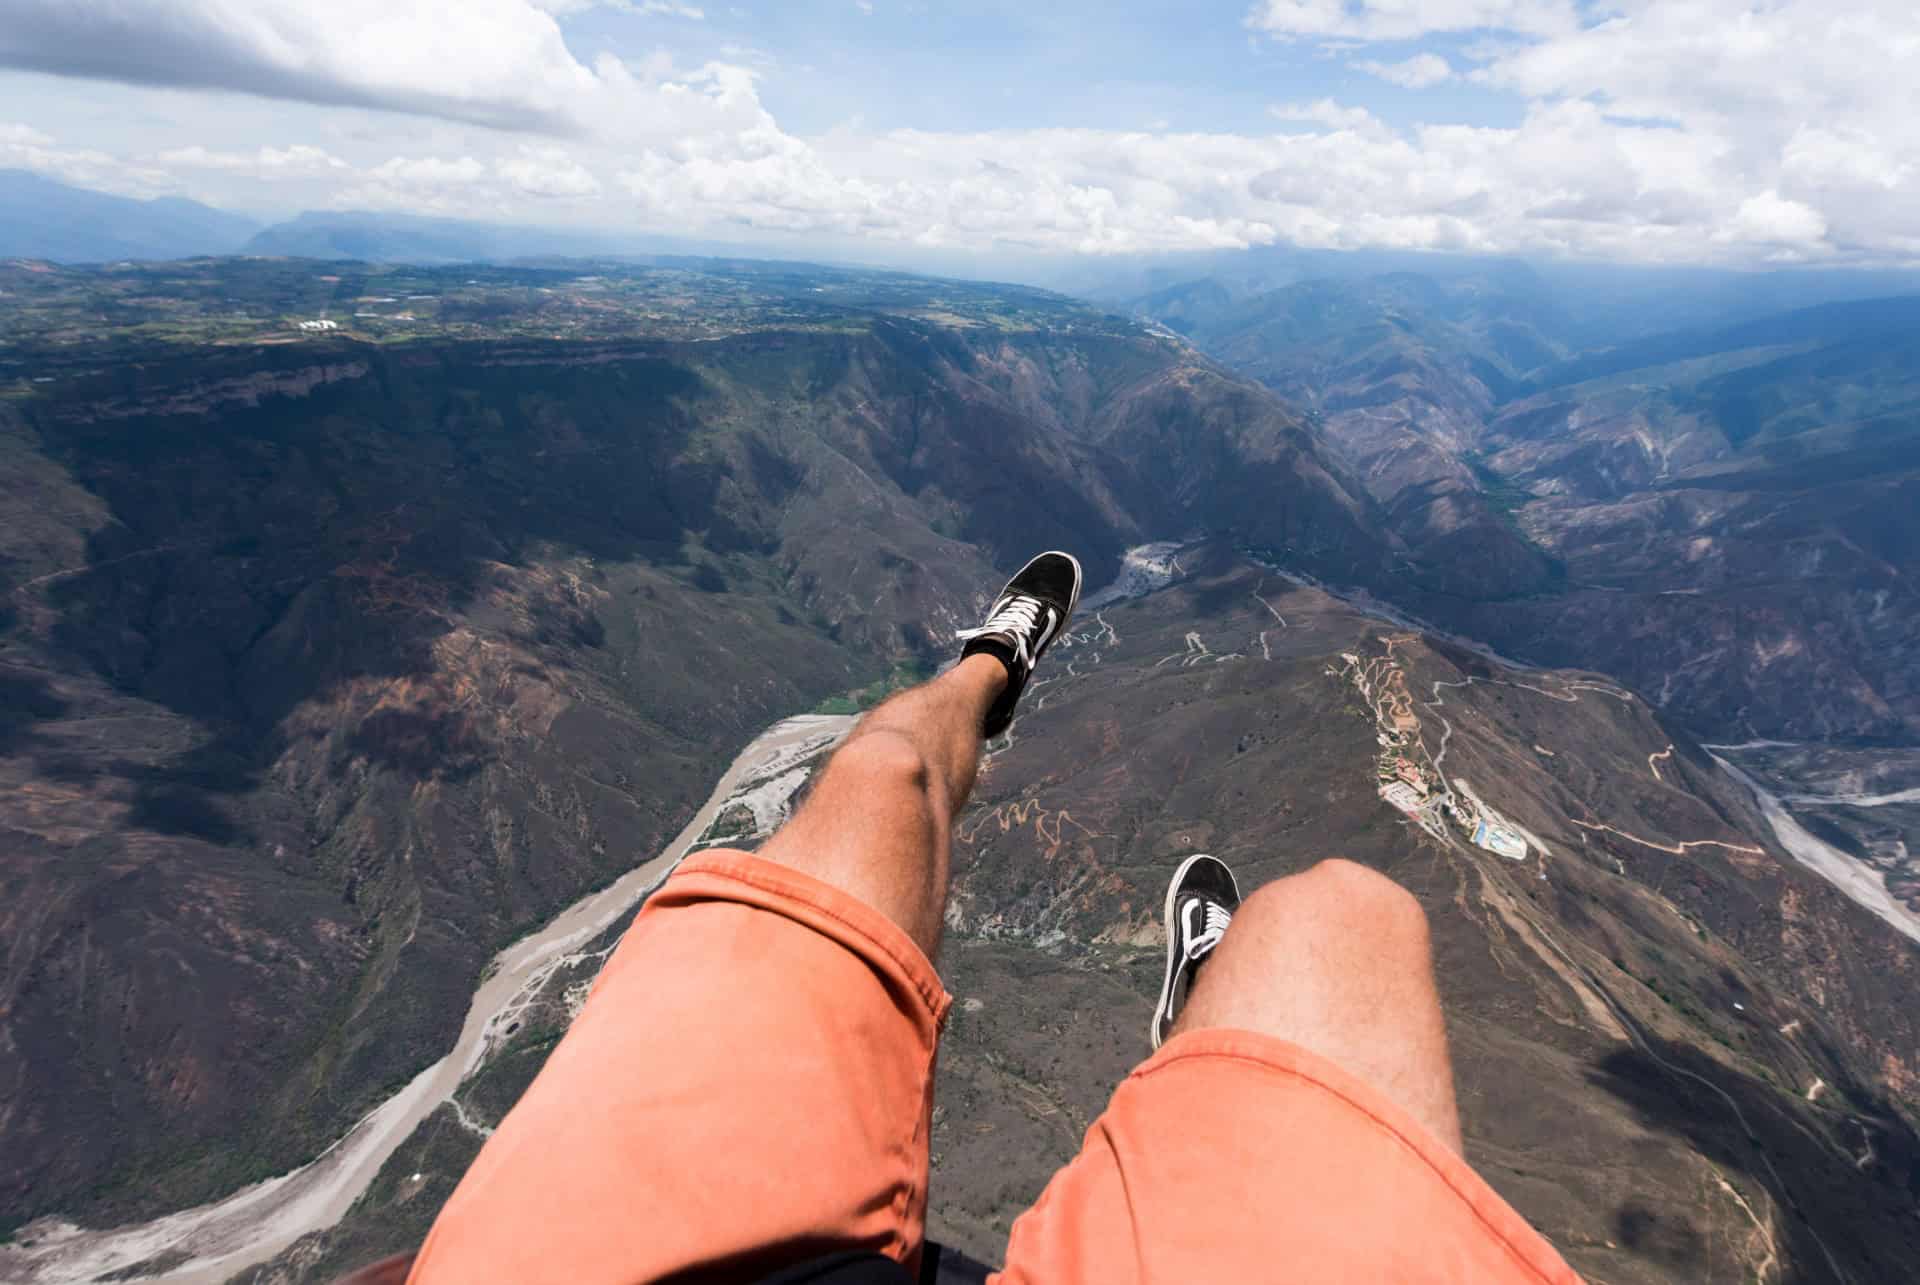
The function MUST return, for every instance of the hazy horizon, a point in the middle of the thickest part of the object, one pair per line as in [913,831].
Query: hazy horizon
[907,133]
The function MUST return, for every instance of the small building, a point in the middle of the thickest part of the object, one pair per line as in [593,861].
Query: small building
[1401,796]
[319,325]
[1499,839]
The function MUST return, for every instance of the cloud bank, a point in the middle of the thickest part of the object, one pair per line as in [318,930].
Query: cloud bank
[1710,131]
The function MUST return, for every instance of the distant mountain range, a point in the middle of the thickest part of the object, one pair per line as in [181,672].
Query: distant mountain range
[42,219]
[402,238]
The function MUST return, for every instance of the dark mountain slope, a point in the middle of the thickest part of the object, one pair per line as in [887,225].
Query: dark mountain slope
[1738,529]
[1719,517]
[334,664]
[1398,372]
[1583,988]
[1825,324]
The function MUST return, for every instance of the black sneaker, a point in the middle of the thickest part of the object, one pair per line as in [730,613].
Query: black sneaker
[1028,615]
[1201,900]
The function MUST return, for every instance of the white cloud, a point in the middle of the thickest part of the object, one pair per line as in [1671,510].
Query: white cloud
[1806,103]
[23,136]
[23,147]
[502,62]
[1407,19]
[548,172]
[1328,114]
[1422,71]
[1569,178]
[518,184]
[1790,122]
[297,161]
[1770,218]
[429,171]
[1705,131]
[650,8]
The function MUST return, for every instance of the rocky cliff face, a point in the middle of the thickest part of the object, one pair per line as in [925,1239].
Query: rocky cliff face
[1745,525]
[1721,518]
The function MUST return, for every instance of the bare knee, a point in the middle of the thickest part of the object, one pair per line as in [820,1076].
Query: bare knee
[1338,960]
[873,827]
[1367,891]
[1346,900]
[881,759]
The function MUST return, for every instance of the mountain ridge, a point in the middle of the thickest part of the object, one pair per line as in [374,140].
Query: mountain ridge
[44,219]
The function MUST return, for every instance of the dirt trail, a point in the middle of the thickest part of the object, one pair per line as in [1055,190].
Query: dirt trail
[1653,763]
[1677,849]
[260,1221]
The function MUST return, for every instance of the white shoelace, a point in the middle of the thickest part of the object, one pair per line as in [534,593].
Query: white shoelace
[1217,918]
[1016,620]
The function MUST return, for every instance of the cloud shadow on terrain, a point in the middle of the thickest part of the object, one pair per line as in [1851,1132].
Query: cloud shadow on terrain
[25,699]
[1668,1238]
[1826,1218]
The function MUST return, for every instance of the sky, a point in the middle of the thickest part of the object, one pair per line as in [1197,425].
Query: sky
[1723,132]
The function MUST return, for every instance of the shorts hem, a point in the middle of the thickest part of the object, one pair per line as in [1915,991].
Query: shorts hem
[1276,1056]
[728,874]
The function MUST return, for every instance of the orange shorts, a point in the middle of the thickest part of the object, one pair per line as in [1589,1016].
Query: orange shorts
[751,1085]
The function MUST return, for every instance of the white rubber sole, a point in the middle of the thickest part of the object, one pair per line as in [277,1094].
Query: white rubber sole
[1173,936]
[1079,578]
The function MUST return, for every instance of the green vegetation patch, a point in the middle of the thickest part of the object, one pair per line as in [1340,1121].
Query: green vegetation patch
[901,677]
[1501,495]
[1505,499]
[735,823]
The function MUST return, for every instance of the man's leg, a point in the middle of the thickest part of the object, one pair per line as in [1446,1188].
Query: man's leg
[1298,1124]
[877,824]
[1337,961]
[749,1084]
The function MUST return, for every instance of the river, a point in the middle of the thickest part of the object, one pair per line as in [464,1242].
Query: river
[258,1222]
[1860,881]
